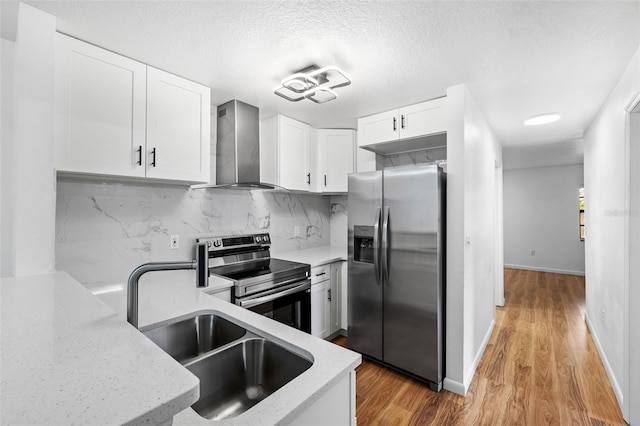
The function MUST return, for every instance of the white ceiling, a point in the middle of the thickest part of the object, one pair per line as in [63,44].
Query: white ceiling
[518,58]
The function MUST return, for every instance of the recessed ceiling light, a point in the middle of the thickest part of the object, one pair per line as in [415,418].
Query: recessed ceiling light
[537,120]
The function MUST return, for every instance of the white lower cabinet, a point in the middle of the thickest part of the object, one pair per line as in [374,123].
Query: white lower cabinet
[326,299]
[335,297]
[337,406]
[320,309]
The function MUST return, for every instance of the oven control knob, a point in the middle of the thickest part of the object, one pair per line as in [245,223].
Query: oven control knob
[266,238]
[216,243]
[258,239]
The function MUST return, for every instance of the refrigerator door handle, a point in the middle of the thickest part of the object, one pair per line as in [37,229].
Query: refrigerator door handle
[376,246]
[385,246]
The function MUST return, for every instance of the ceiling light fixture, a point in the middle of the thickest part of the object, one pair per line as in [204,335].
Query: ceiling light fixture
[546,118]
[313,83]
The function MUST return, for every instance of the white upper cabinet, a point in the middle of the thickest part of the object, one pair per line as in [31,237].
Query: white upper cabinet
[414,125]
[336,159]
[118,117]
[285,146]
[178,125]
[100,110]
[421,119]
[378,128]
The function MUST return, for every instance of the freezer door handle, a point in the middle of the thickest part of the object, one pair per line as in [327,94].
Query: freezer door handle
[385,246]
[376,246]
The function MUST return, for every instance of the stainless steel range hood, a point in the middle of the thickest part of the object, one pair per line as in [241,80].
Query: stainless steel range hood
[238,148]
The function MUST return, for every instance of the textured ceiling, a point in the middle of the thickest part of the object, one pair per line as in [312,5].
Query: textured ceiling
[518,58]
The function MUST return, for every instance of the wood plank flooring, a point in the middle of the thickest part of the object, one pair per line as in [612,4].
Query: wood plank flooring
[540,367]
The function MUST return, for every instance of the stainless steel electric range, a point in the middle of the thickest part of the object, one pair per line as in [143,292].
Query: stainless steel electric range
[278,289]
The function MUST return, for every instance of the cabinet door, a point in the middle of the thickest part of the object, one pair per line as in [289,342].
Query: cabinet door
[100,101]
[178,128]
[422,119]
[293,154]
[383,127]
[336,148]
[335,296]
[344,294]
[320,309]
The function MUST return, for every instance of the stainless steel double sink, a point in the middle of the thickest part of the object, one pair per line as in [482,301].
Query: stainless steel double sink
[237,368]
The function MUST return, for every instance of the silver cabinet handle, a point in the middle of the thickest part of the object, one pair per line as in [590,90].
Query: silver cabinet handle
[153,154]
[402,121]
[329,292]
[394,124]
[320,274]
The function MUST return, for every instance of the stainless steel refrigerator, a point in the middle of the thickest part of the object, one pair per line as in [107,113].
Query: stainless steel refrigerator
[396,281]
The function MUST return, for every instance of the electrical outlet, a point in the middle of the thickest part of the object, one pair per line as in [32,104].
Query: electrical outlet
[174,242]
[532,252]
[296,231]
[603,314]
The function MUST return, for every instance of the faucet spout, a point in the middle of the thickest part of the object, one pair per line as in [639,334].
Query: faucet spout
[202,277]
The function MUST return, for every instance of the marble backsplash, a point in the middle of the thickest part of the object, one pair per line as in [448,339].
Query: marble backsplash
[105,230]
[339,226]
[430,156]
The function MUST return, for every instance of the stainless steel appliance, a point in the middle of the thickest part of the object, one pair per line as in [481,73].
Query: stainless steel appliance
[278,289]
[396,269]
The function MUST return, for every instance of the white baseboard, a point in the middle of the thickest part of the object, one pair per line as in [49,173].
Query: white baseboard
[617,390]
[537,268]
[462,388]
[478,357]
[453,386]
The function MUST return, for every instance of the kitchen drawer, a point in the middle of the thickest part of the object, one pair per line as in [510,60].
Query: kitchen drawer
[320,273]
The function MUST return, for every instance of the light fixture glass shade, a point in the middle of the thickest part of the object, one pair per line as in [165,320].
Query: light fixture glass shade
[299,83]
[542,119]
[313,83]
[334,76]
[289,95]
[321,95]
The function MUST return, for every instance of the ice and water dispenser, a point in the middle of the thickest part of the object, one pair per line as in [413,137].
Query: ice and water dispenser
[363,243]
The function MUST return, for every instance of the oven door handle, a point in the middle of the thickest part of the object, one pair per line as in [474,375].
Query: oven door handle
[271,297]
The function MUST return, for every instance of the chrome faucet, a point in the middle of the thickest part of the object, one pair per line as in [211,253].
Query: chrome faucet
[201,265]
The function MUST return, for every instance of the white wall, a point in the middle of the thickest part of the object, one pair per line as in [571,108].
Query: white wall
[28,169]
[605,185]
[541,214]
[6,154]
[472,152]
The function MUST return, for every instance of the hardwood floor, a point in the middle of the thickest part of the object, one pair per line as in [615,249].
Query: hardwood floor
[540,367]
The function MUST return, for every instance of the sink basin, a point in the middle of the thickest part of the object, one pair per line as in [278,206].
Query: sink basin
[237,368]
[238,377]
[193,336]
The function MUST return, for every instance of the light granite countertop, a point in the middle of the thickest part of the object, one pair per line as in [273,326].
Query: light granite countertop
[331,363]
[315,256]
[69,359]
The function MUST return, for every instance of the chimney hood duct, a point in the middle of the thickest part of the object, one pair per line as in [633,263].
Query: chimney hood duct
[238,148]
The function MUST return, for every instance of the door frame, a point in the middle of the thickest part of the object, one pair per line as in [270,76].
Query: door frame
[498,238]
[631,395]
